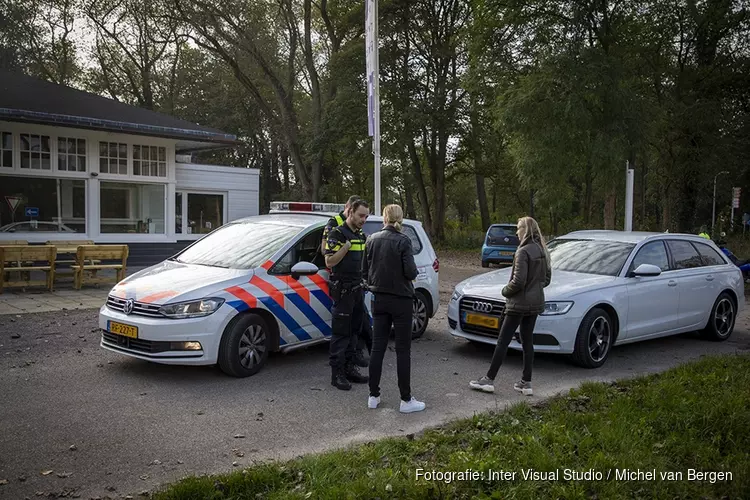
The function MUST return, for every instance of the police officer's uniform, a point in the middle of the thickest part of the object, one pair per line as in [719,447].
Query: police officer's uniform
[363,333]
[348,309]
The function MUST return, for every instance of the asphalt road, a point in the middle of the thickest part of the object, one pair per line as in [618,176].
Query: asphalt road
[136,425]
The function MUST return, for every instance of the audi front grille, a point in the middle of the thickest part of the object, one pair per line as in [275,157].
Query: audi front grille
[478,305]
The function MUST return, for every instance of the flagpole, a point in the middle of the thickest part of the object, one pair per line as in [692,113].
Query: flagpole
[373,89]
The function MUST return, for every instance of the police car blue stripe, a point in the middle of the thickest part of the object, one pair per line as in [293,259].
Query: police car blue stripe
[323,298]
[239,305]
[285,318]
[309,313]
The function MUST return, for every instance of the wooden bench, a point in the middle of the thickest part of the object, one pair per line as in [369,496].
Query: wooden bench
[26,259]
[99,253]
[69,247]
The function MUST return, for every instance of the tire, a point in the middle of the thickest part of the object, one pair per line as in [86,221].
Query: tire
[244,347]
[594,340]
[419,315]
[722,320]
[485,264]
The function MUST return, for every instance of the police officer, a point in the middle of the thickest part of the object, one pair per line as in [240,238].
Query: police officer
[345,248]
[364,333]
[704,233]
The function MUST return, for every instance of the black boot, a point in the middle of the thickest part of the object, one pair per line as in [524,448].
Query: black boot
[339,381]
[359,359]
[353,375]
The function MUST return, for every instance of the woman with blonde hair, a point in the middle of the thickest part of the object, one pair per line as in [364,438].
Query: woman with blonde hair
[389,269]
[532,273]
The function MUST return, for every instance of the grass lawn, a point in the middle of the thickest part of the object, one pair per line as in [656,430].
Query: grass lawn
[694,417]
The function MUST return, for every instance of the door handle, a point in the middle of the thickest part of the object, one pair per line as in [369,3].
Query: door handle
[672,283]
[709,278]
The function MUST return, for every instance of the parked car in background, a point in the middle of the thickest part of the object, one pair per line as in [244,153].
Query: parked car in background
[500,244]
[611,288]
[36,227]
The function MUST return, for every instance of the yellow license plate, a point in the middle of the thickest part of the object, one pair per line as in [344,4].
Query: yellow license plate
[482,320]
[125,330]
[506,253]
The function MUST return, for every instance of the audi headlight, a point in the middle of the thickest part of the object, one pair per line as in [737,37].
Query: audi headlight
[192,309]
[456,296]
[556,308]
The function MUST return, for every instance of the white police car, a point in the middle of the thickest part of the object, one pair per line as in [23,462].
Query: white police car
[252,286]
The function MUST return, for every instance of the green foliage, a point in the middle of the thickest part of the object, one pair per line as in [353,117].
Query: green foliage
[691,417]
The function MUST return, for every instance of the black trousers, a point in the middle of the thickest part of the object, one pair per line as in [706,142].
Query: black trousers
[347,315]
[508,328]
[397,311]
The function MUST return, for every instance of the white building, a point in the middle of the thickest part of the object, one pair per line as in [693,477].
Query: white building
[75,165]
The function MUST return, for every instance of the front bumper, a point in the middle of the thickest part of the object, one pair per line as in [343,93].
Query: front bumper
[555,334]
[157,335]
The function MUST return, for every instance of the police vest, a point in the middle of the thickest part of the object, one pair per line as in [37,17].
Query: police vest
[351,265]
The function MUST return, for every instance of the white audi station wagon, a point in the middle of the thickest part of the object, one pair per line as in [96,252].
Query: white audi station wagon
[611,288]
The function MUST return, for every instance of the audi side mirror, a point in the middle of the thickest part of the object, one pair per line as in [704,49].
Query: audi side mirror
[304,269]
[645,270]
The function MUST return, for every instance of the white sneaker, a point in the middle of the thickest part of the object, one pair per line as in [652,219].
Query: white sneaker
[483,384]
[412,406]
[373,402]
[524,388]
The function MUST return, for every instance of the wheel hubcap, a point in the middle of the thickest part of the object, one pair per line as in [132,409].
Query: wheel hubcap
[252,346]
[419,316]
[600,336]
[724,317]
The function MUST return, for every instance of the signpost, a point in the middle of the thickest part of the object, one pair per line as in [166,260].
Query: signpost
[373,88]
[13,202]
[735,202]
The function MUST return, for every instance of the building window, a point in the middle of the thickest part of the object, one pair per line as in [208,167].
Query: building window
[71,154]
[35,152]
[113,158]
[40,204]
[205,212]
[6,150]
[132,208]
[150,161]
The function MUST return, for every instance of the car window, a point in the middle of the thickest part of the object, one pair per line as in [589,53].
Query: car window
[589,256]
[373,227]
[306,250]
[684,255]
[710,256]
[241,245]
[653,253]
[497,231]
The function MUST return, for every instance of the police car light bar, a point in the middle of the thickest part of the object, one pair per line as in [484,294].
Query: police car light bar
[295,206]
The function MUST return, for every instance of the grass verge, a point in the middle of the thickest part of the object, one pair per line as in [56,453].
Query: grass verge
[693,417]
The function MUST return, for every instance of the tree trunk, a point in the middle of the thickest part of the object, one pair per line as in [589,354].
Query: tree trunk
[588,204]
[265,179]
[421,189]
[531,203]
[285,169]
[610,209]
[482,197]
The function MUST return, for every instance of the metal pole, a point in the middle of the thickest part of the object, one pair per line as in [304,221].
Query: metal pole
[376,148]
[629,178]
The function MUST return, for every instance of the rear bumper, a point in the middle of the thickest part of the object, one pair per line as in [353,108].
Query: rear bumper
[498,254]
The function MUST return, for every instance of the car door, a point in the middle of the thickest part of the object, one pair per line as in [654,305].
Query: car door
[653,301]
[307,303]
[695,284]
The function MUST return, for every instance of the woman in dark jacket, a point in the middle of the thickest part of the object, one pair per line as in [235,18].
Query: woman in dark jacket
[389,268]
[524,295]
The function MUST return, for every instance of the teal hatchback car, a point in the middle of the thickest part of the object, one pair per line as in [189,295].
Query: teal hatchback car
[500,244]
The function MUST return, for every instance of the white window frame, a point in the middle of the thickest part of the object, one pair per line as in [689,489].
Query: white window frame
[77,155]
[3,167]
[185,193]
[146,163]
[136,236]
[40,135]
[118,158]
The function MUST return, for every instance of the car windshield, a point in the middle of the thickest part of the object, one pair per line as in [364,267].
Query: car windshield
[589,256]
[241,245]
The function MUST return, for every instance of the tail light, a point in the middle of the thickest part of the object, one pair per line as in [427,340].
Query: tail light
[436,265]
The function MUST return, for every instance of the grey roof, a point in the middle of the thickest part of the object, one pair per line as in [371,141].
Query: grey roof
[31,100]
